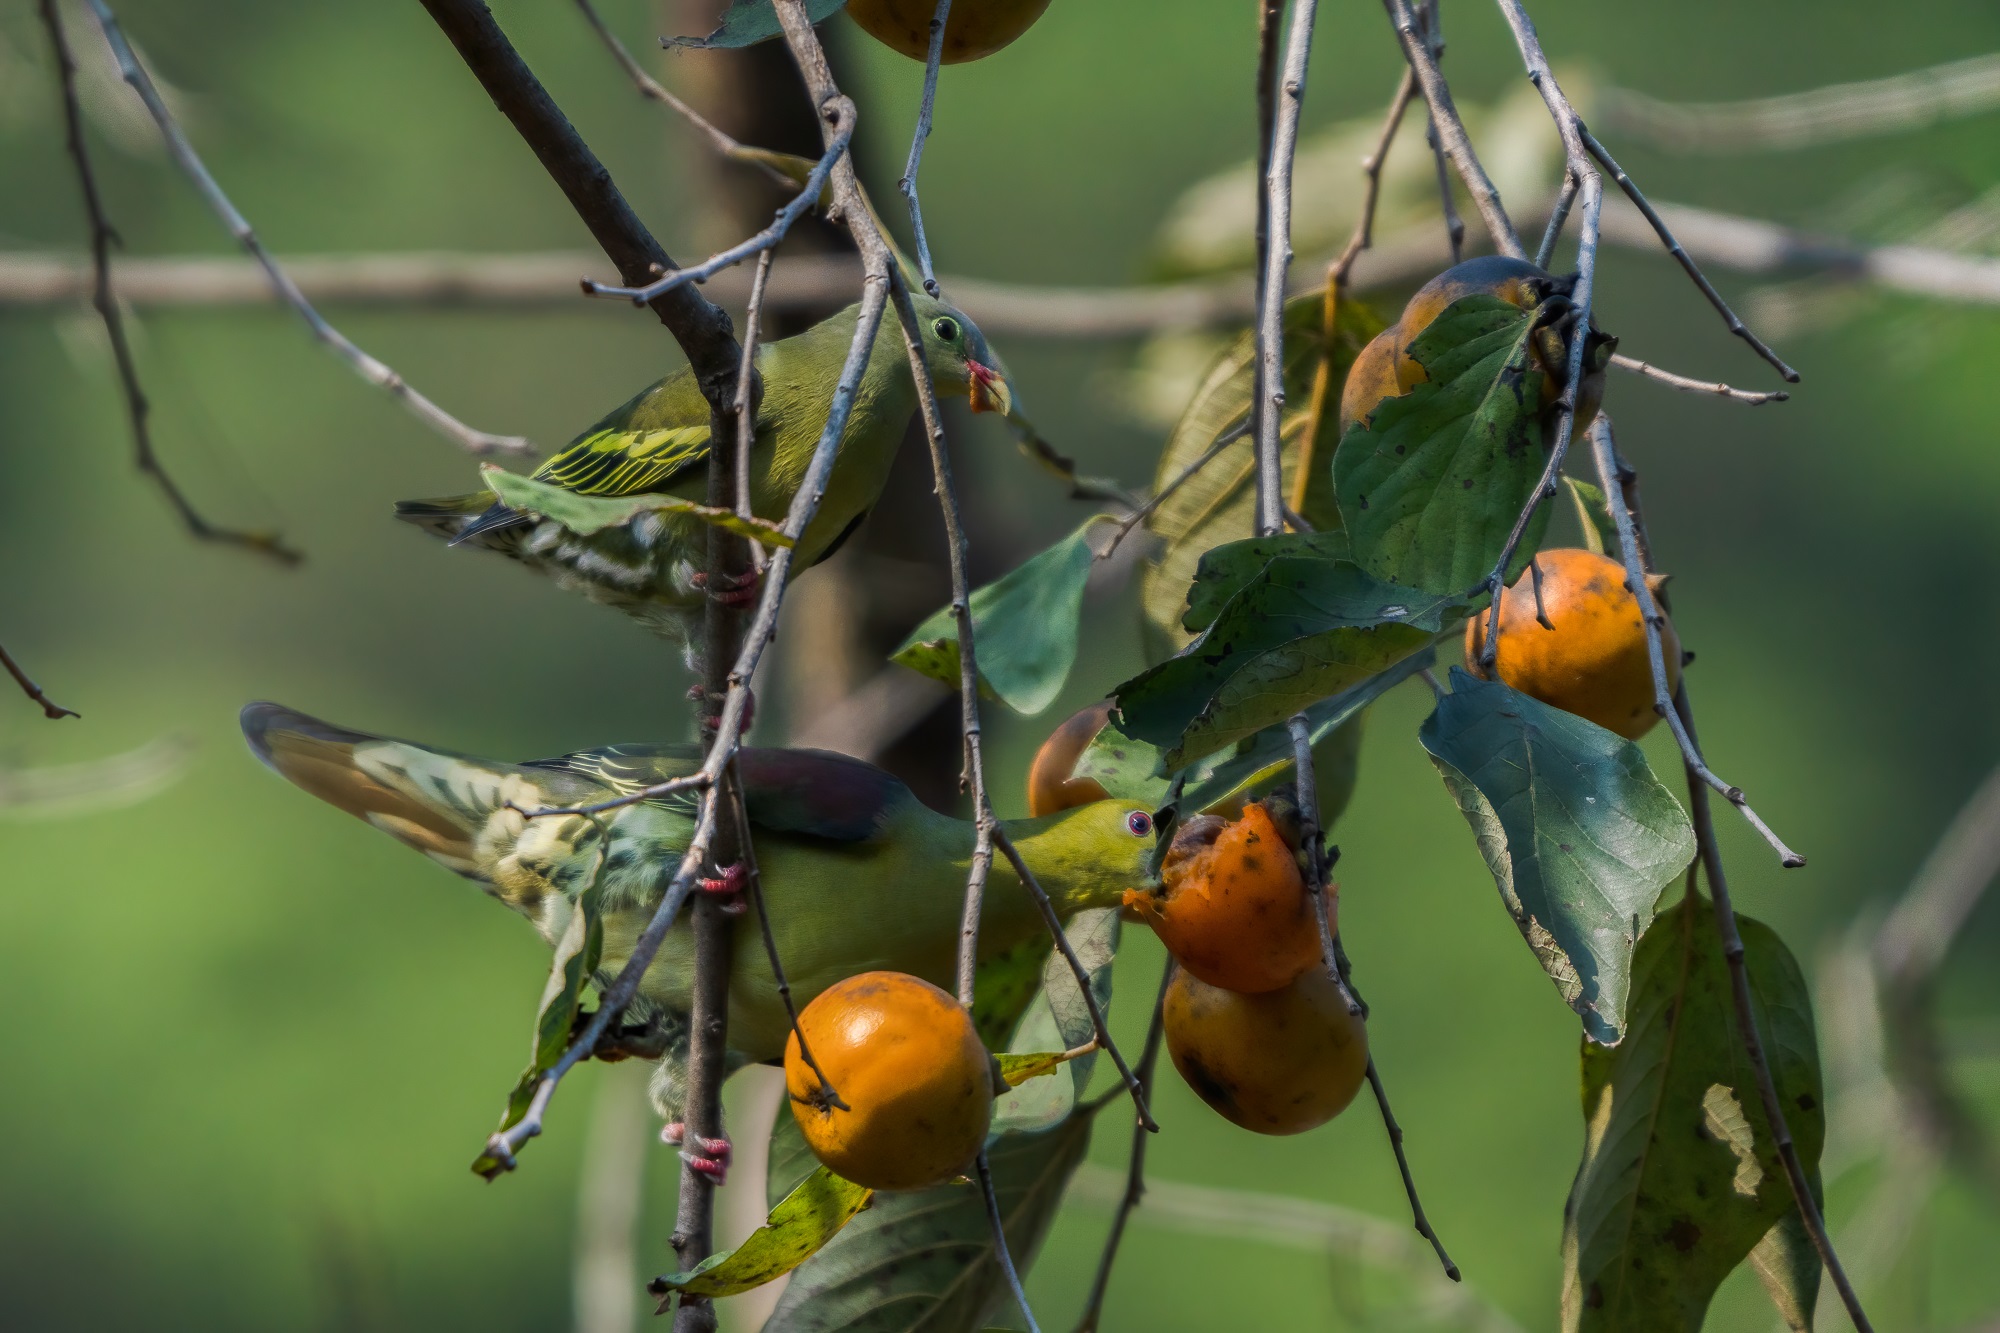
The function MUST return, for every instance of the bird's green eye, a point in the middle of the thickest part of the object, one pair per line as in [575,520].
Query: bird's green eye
[946,328]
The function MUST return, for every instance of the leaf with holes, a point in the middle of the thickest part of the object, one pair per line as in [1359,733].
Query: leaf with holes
[800,1225]
[1024,628]
[1430,485]
[1579,834]
[1681,1178]
[747,22]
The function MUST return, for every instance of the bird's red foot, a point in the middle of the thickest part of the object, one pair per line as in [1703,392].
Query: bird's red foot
[736,590]
[711,721]
[713,1159]
[728,888]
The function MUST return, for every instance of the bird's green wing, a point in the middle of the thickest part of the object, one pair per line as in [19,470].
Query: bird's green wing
[644,445]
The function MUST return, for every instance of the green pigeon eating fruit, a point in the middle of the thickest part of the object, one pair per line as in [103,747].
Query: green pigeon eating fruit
[657,443]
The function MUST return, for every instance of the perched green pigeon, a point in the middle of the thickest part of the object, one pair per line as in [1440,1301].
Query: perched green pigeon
[857,873]
[650,567]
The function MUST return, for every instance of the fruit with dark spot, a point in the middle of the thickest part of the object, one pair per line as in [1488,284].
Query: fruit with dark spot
[975,28]
[1594,661]
[1232,905]
[917,1083]
[1281,1062]
[1385,369]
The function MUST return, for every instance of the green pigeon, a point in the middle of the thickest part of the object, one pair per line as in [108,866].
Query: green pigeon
[857,874]
[651,567]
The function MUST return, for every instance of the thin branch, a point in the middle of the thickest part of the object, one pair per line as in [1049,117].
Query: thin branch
[102,237]
[1681,256]
[744,406]
[1417,1217]
[1269,472]
[51,710]
[1276,254]
[908,183]
[1614,478]
[1686,385]
[1312,840]
[364,365]
[1451,129]
[1832,114]
[1135,1167]
[1454,226]
[999,1226]
[1746,1023]
[762,243]
[1545,253]
[1185,475]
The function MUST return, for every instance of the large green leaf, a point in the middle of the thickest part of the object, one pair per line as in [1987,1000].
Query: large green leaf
[1303,630]
[747,22]
[1024,627]
[1579,834]
[1215,505]
[1430,486]
[1681,1177]
[1226,570]
[923,1262]
[809,1216]
[585,514]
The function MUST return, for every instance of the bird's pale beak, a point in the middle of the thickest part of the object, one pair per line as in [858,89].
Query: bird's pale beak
[989,388]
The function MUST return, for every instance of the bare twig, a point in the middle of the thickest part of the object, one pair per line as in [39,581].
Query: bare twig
[1418,1219]
[762,243]
[1135,1166]
[744,403]
[1680,254]
[364,365]
[1686,385]
[1832,114]
[999,1226]
[102,237]
[1545,253]
[1312,840]
[1451,129]
[1429,15]
[52,710]
[1268,473]
[908,183]
[1276,256]
[1186,474]
[1614,479]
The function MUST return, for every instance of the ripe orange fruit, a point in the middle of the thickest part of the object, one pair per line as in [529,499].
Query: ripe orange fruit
[975,28]
[1515,281]
[917,1082]
[1594,662]
[1281,1062]
[1232,905]
[1050,786]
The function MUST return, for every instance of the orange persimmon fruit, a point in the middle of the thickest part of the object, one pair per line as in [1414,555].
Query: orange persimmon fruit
[974,29]
[1280,1062]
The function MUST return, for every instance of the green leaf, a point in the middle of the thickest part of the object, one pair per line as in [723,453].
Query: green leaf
[1304,630]
[1579,834]
[803,1222]
[747,22]
[1788,1265]
[1005,985]
[1215,505]
[585,514]
[1600,531]
[1266,759]
[1018,1069]
[1430,486]
[1127,768]
[1059,1019]
[575,963]
[923,1262]
[1226,570]
[1024,625]
[1681,1177]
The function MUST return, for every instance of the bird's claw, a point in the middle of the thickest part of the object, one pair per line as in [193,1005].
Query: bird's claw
[728,887]
[713,1159]
[733,590]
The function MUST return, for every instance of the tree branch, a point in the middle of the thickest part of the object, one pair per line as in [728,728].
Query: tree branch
[52,710]
[908,183]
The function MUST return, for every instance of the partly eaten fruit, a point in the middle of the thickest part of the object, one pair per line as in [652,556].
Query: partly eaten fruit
[974,29]
[917,1083]
[1232,905]
[1385,369]
[1591,659]
[1281,1062]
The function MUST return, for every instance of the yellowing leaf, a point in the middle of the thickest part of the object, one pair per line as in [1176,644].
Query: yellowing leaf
[806,1219]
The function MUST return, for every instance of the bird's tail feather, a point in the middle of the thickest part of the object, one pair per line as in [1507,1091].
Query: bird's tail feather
[432,800]
[477,517]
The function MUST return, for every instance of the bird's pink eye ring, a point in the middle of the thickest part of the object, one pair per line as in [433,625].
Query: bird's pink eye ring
[1140,823]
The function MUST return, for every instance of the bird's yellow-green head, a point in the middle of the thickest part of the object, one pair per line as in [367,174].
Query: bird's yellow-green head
[958,356]
[1089,855]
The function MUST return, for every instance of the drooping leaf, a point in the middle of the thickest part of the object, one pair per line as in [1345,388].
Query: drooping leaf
[747,22]
[1600,532]
[1017,1069]
[576,959]
[1431,484]
[1024,627]
[798,1227]
[923,1262]
[1059,1020]
[585,514]
[1788,1265]
[1681,1176]
[1266,759]
[1302,631]
[1578,832]
[1215,505]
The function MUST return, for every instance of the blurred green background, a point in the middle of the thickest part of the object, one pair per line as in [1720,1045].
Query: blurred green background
[252,1045]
